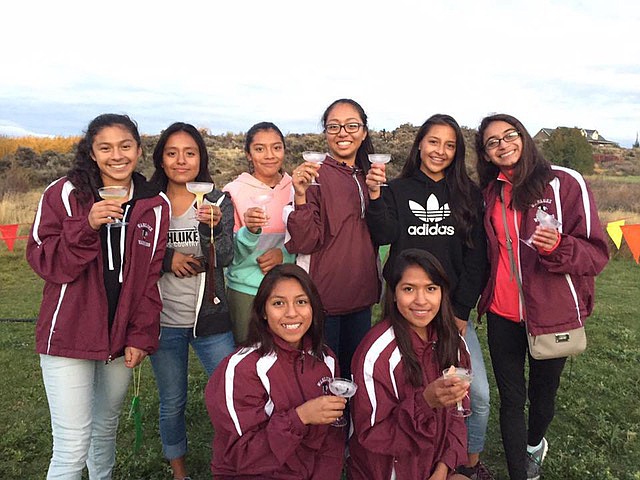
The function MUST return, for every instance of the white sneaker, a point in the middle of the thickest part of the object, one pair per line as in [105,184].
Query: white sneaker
[535,459]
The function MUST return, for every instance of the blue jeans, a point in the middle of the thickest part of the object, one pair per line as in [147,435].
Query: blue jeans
[343,334]
[171,367]
[85,398]
[479,394]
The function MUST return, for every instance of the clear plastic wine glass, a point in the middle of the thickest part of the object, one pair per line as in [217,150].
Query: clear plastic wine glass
[465,375]
[199,189]
[345,388]
[314,157]
[117,193]
[261,200]
[380,159]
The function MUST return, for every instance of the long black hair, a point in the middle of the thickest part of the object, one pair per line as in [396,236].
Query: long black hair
[531,173]
[159,176]
[362,155]
[259,333]
[85,174]
[464,194]
[448,342]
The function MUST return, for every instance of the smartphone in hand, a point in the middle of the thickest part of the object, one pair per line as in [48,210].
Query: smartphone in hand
[199,267]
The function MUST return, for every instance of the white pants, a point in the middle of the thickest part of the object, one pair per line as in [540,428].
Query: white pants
[85,398]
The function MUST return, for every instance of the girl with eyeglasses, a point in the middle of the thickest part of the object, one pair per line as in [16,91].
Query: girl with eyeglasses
[539,275]
[436,207]
[328,231]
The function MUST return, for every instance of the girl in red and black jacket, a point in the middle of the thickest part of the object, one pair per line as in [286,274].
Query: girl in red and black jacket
[101,306]
[267,401]
[403,426]
[556,269]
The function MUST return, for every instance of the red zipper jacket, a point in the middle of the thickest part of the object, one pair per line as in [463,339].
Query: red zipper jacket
[395,428]
[559,286]
[331,229]
[251,401]
[66,252]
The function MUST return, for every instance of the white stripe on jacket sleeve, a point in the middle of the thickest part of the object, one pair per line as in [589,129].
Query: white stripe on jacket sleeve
[370,359]
[229,376]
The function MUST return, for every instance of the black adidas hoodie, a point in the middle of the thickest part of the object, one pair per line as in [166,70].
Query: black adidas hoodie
[414,213]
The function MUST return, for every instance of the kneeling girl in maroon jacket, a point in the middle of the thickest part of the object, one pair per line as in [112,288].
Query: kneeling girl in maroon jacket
[267,401]
[402,410]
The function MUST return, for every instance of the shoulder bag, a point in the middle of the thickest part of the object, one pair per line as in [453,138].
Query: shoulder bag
[548,345]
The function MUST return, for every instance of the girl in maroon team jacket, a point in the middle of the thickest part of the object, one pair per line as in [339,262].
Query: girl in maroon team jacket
[539,275]
[268,401]
[404,426]
[329,233]
[101,306]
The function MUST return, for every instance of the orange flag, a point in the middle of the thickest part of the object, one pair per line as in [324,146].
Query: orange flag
[9,233]
[632,237]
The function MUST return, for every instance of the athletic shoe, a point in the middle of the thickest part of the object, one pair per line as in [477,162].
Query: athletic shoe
[535,459]
[477,472]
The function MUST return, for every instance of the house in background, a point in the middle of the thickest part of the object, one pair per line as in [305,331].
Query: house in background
[592,136]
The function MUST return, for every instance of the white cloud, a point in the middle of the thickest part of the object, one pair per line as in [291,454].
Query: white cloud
[227,65]
[10,129]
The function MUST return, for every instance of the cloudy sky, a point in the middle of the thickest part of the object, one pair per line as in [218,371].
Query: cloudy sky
[228,64]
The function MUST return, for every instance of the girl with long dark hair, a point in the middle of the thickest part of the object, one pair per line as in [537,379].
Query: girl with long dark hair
[195,311]
[268,401]
[435,206]
[403,423]
[329,233]
[542,278]
[100,309]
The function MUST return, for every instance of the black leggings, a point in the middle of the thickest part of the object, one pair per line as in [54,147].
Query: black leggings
[508,348]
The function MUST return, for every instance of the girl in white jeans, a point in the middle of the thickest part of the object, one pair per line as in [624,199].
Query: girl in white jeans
[100,259]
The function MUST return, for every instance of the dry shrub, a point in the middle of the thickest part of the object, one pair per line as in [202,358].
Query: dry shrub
[19,207]
[225,164]
[9,145]
[616,195]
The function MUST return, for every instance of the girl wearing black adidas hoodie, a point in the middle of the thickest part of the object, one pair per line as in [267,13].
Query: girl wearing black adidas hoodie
[435,206]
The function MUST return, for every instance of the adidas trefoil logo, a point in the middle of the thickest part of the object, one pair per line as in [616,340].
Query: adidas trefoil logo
[432,214]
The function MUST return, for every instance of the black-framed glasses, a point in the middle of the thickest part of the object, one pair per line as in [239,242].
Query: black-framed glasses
[334,128]
[493,143]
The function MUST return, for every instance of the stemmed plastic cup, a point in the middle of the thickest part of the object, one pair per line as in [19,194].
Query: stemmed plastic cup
[261,200]
[465,375]
[199,189]
[314,157]
[345,388]
[380,159]
[118,194]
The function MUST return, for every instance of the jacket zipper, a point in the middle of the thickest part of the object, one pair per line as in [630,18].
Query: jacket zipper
[301,373]
[360,194]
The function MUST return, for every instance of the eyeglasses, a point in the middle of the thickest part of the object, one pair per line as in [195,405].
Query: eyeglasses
[334,128]
[508,138]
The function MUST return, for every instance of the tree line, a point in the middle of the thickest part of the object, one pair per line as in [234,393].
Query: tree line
[32,163]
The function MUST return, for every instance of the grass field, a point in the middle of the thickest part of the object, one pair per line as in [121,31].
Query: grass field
[594,434]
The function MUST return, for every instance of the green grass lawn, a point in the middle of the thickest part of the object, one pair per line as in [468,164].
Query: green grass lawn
[594,434]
